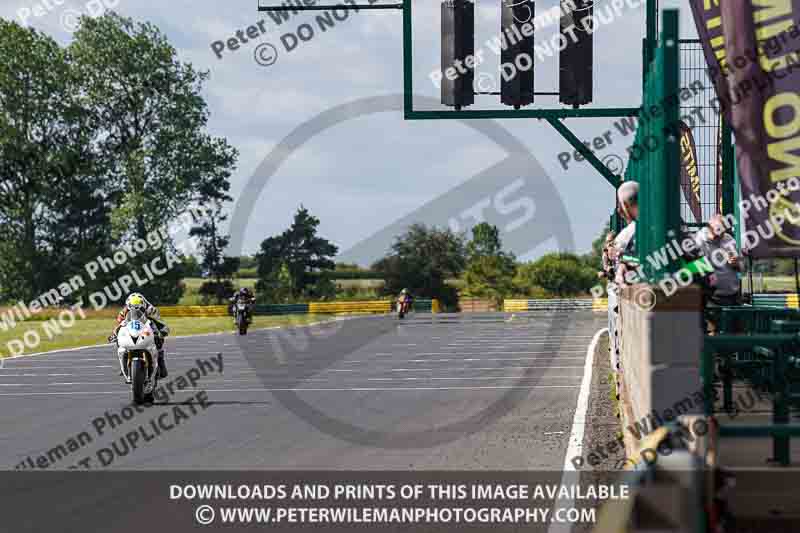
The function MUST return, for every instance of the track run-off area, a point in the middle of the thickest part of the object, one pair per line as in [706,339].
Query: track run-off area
[470,391]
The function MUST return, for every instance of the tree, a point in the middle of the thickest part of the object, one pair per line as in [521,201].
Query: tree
[560,273]
[421,260]
[490,271]
[192,267]
[153,118]
[48,173]
[274,285]
[152,143]
[108,133]
[485,241]
[304,256]
[247,261]
[212,244]
[220,291]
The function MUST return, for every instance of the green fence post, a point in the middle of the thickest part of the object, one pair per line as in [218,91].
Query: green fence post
[728,169]
[655,155]
[780,406]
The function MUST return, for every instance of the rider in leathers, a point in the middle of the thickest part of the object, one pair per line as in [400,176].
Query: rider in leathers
[136,300]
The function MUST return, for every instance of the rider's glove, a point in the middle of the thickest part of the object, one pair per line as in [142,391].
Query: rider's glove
[112,338]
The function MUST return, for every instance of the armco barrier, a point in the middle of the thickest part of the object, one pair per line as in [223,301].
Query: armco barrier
[374,306]
[511,306]
[281,309]
[194,311]
[782,301]
[476,305]
[380,306]
[422,305]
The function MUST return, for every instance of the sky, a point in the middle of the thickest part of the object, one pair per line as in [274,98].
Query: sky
[363,174]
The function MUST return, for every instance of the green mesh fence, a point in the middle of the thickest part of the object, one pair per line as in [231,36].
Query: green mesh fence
[654,156]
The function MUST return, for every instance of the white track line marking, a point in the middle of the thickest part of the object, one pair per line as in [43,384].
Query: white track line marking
[579,421]
[50,375]
[357,389]
[212,334]
[480,359]
[575,447]
[277,380]
[351,389]
[520,378]
[504,342]
[469,368]
[502,352]
[71,367]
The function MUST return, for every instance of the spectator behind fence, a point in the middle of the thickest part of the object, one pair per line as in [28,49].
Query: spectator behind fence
[607,267]
[723,286]
[608,274]
[625,243]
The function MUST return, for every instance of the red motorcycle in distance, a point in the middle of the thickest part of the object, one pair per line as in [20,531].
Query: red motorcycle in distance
[403,306]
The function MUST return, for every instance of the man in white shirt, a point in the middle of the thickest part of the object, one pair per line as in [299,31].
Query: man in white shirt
[624,244]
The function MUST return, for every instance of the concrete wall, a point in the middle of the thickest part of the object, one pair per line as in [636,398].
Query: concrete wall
[660,343]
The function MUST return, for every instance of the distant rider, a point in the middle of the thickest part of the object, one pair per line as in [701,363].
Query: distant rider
[404,298]
[245,296]
[137,301]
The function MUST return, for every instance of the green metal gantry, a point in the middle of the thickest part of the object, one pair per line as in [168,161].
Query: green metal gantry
[555,117]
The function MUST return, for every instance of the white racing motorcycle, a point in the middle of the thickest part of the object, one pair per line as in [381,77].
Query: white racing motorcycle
[138,355]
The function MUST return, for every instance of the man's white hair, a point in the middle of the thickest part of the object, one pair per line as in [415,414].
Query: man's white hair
[628,193]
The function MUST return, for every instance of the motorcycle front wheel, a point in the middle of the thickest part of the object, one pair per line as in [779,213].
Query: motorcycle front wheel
[138,378]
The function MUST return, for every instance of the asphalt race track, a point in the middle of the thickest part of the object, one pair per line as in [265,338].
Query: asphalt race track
[471,391]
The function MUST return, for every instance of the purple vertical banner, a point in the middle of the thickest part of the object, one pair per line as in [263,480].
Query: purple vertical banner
[690,179]
[718,167]
[762,42]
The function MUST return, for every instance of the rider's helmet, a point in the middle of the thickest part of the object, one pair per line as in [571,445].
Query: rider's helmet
[135,301]
[136,306]
[404,291]
[243,291]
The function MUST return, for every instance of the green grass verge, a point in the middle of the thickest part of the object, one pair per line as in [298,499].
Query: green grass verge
[95,330]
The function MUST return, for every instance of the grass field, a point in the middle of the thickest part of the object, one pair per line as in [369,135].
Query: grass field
[365,288]
[193,284]
[360,283]
[192,295]
[770,283]
[95,330]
